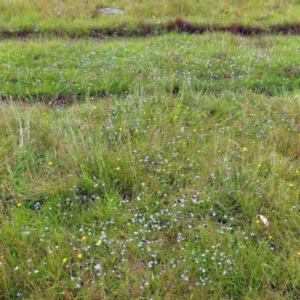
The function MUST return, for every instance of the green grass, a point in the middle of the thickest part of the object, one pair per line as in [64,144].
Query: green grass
[76,17]
[144,168]
[208,63]
[151,196]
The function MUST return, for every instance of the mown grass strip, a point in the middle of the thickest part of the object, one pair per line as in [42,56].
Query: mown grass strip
[52,69]
[147,29]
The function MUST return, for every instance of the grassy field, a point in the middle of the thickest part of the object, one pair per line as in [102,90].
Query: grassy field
[162,167]
[79,17]
[39,68]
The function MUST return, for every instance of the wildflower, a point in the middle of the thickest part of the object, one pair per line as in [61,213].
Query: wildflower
[94,107]
[195,130]
[298,253]
[19,204]
[84,238]
[270,237]
[297,171]
[257,221]
[50,163]
[244,149]
[98,242]
[291,185]
[64,260]
[120,128]
[118,168]
[79,255]
[259,165]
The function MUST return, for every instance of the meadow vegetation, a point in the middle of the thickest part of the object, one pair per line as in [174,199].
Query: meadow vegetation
[164,167]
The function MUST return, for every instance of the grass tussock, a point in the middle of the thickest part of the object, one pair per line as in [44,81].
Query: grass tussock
[151,196]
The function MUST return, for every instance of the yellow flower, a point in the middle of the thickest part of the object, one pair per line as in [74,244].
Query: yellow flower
[50,163]
[291,185]
[257,221]
[79,255]
[270,237]
[19,204]
[118,168]
[95,107]
[99,242]
[84,238]
[244,149]
[259,165]
[64,260]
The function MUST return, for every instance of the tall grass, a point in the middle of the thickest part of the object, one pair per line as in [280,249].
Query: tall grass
[151,196]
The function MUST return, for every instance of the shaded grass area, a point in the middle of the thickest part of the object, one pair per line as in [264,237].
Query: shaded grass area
[53,70]
[151,196]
